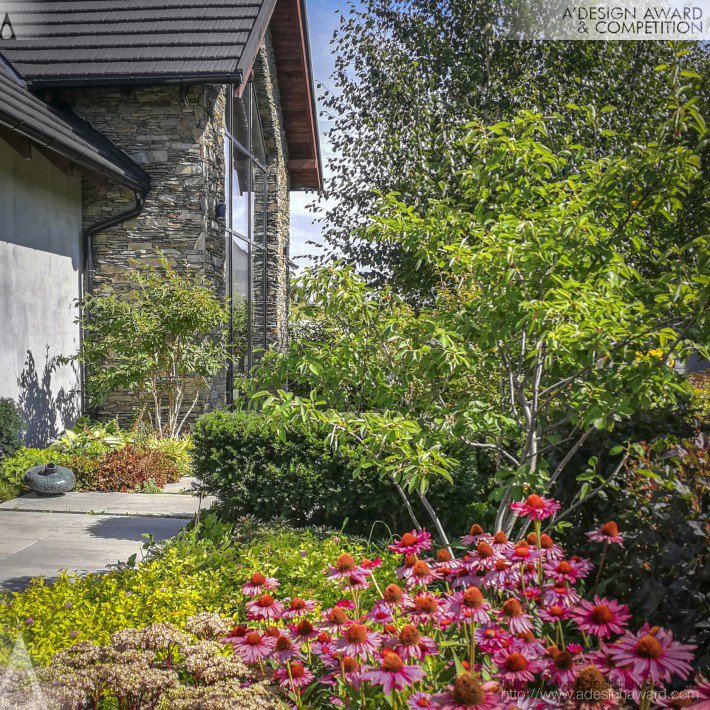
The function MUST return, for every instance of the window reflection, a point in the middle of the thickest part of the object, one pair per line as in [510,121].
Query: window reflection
[246,198]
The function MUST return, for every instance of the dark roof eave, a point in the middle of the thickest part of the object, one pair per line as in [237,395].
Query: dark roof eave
[235,77]
[74,156]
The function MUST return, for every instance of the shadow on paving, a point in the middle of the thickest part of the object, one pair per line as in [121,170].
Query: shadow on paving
[125,528]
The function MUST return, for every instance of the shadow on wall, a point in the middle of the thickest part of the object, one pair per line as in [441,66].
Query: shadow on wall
[46,409]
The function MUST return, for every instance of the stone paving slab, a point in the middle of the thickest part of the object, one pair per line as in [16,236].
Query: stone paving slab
[31,547]
[153,504]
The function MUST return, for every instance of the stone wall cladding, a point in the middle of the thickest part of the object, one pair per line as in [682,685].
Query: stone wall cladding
[176,135]
[278,206]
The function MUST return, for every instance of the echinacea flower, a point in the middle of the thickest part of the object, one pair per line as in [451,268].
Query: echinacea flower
[344,668]
[516,667]
[393,595]
[358,640]
[297,607]
[475,535]
[560,596]
[536,507]
[335,618]
[652,655]
[412,543]
[253,646]
[322,645]
[565,571]
[602,617]
[284,649]
[420,701]
[293,675]
[424,607]
[512,613]
[560,667]
[345,568]
[591,691]
[258,584]
[467,693]
[554,613]
[468,606]
[381,613]
[421,575]
[607,533]
[265,607]
[491,638]
[411,645]
[393,674]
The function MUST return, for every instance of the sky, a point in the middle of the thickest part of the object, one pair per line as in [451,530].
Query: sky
[322,21]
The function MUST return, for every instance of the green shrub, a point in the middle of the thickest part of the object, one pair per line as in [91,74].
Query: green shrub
[178,450]
[202,569]
[305,481]
[11,424]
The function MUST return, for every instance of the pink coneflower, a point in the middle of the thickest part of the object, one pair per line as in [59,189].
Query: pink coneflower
[322,645]
[536,507]
[420,701]
[516,667]
[602,618]
[554,613]
[607,533]
[491,638]
[293,675]
[523,554]
[284,650]
[591,691]
[482,558]
[303,631]
[412,543]
[564,571]
[404,571]
[394,595]
[512,613]
[620,677]
[253,646]
[532,645]
[297,607]
[344,668]
[335,618]
[369,565]
[653,655]
[560,596]
[421,575]
[500,543]
[345,568]
[381,613]
[411,645]
[424,608]
[468,606]
[265,607]
[236,632]
[560,667]
[258,584]
[475,535]
[358,640]
[356,581]
[502,575]
[467,693]
[392,674]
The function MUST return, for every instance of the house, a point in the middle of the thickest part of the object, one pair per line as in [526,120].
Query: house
[142,125]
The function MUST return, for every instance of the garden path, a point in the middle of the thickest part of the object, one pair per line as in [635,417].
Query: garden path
[85,532]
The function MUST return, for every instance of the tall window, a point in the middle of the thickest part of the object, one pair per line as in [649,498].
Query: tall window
[246,200]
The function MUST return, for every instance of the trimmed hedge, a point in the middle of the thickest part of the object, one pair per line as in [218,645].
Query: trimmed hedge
[252,472]
[11,424]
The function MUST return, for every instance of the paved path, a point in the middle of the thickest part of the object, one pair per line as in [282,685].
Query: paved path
[84,532]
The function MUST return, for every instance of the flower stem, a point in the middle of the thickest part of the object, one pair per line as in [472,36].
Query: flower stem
[601,567]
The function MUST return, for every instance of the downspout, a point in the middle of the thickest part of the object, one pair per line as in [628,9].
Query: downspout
[87,250]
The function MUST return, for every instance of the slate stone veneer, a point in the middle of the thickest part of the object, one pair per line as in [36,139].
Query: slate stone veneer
[176,134]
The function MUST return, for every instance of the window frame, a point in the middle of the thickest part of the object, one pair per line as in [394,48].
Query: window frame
[235,147]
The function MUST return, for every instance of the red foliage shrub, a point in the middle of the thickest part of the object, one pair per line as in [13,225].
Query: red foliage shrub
[128,468]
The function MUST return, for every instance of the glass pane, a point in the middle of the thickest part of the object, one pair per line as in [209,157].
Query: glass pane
[259,183]
[258,303]
[239,304]
[238,213]
[257,136]
[239,125]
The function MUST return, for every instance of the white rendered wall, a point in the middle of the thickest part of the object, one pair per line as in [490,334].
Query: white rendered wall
[40,256]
